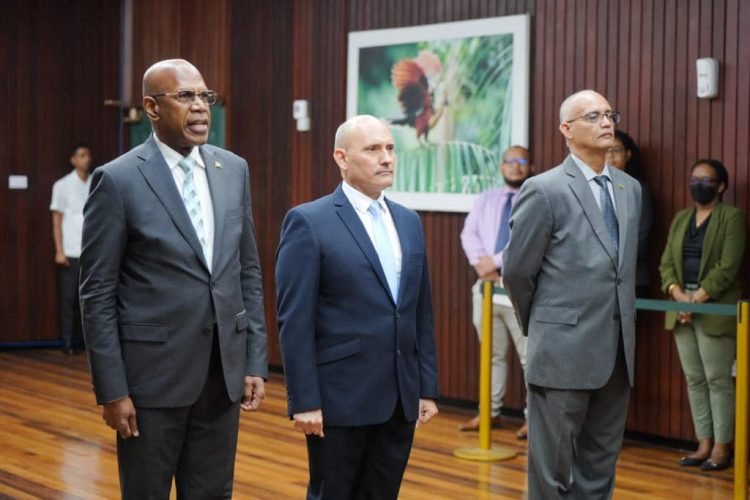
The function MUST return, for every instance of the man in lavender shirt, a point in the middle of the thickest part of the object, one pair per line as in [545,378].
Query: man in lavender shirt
[484,237]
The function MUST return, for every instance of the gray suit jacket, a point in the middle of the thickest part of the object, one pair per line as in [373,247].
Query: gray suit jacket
[148,300]
[571,293]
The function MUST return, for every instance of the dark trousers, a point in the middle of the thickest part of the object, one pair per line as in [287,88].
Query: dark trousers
[575,438]
[195,445]
[70,309]
[364,462]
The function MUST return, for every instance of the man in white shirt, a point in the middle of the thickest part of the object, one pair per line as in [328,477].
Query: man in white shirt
[68,197]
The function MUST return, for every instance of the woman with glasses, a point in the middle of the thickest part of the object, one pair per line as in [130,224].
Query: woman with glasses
[625,155]
[700,264]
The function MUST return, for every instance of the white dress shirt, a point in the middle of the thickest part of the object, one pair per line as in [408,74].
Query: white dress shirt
[589,173]
[172,158]
[361,202]
[69,195]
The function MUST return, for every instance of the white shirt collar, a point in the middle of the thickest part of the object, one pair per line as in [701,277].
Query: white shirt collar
[172,157]
[587,171]
[360,201]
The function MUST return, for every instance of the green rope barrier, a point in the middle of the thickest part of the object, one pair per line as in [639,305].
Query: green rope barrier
[671,305]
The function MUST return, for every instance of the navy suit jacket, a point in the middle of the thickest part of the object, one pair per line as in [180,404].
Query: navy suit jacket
[347,347]
[148,299]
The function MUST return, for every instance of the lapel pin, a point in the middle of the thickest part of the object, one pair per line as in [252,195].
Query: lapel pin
[620,186]
[217,164]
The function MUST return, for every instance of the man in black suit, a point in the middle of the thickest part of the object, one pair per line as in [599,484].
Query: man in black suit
[355,321]
[171,296]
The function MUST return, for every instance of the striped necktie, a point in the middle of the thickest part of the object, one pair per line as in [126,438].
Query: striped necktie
[192,202]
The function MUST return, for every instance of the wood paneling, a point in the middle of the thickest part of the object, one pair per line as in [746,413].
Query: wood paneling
[260,55]
[639,53]
[196,30]
[58,61]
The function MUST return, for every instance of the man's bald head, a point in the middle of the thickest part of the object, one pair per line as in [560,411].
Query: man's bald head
[570,107]
[352,125]
[160,77]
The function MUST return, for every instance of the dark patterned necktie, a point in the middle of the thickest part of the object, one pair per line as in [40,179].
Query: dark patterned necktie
[608,211]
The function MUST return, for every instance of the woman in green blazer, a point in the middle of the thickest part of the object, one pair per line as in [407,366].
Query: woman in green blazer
[701,263]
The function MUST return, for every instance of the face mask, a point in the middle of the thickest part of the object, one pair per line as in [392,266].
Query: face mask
[702,194]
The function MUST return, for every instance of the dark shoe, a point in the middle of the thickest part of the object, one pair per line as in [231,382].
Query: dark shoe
[523,432]
[691,462]
[473,424]
[708,465]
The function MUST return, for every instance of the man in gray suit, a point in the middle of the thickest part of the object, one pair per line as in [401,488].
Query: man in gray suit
[171,297]
[570,272]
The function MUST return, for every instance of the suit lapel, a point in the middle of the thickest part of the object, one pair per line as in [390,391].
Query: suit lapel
[349,217]
[217,184]
[159,178]
[622,209]
[401,228]
[582,192]
[680,231]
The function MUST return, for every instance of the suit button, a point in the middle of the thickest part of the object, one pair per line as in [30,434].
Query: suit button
[398,352]
[619,281]
[398,315]
[213,286]
[616,317]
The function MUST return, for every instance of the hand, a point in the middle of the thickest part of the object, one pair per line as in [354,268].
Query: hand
[255,391]
[120,415]
[309,422]
[684,317]
[680,296]
[486,266]
[61,259]
[427,410]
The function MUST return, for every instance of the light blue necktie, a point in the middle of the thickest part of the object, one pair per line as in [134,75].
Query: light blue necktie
[192,202]
[383,247]
[608,211]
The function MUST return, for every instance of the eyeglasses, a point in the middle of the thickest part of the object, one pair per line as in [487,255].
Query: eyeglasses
[617,150]
[188,96]
[596,116]
[704,181]
[516,161]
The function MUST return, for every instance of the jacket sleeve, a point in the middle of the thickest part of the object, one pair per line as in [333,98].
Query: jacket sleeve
[297,281]
[724,272]
[428,379]
[531,225]
[668,266]
[103,246]
[252,290]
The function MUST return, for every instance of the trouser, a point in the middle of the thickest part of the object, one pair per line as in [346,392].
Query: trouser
[195,445]
[504,327]
[70,309]
[707,363]
[576,436]
[362,462]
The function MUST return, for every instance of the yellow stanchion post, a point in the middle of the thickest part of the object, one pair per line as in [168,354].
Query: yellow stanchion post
[741,406]
[485,452]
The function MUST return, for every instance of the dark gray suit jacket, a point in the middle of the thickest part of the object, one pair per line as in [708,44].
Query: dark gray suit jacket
[148,300]
[571,293]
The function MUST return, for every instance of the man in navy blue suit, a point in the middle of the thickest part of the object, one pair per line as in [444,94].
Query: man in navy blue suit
[355,323]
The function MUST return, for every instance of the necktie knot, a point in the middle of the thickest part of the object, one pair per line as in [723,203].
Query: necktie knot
[374,209]
[601,180]
[186,164]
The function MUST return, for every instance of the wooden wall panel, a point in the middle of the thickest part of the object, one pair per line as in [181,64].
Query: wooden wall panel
[59,62]
[640,53]
[196,30]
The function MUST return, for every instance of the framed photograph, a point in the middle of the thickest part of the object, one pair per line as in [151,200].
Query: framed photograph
[456,95]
